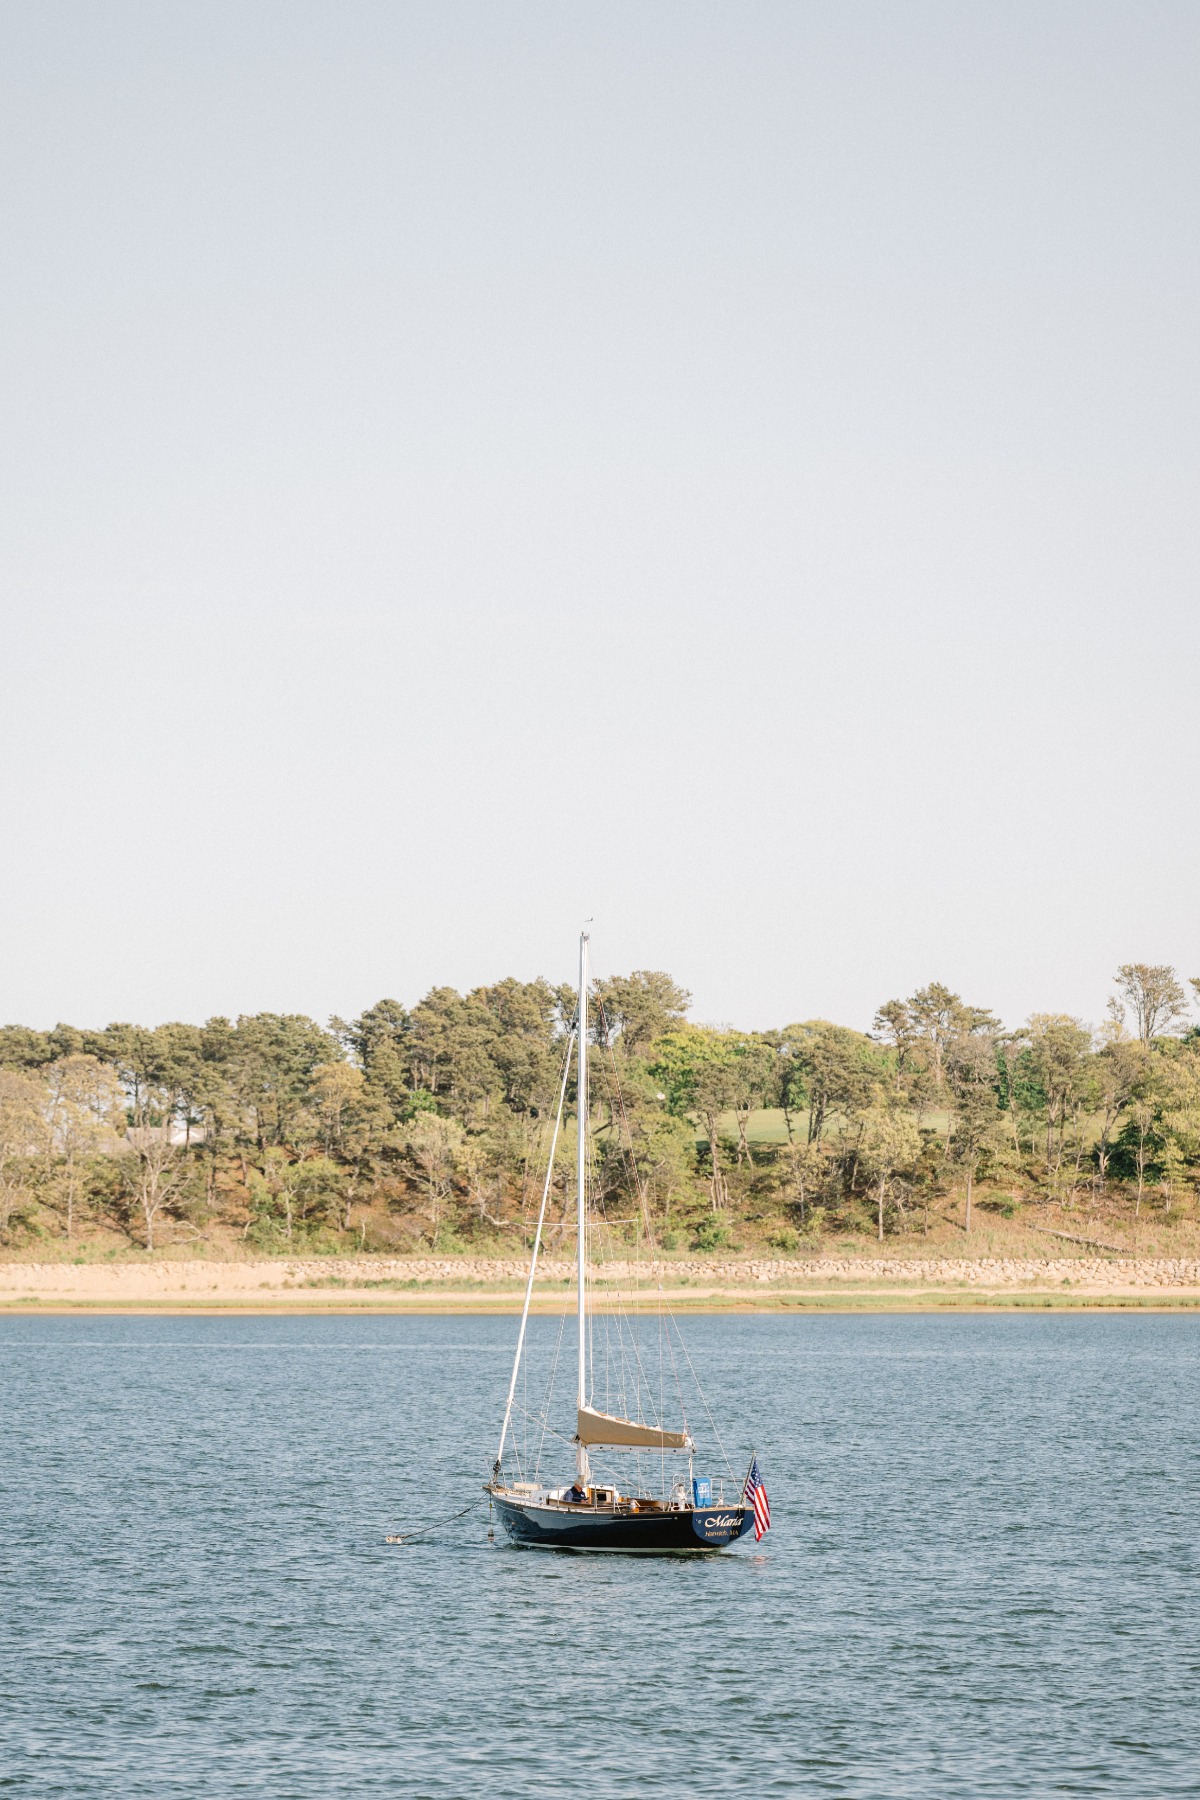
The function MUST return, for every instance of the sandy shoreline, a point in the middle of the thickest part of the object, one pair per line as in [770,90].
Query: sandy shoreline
[477,1284]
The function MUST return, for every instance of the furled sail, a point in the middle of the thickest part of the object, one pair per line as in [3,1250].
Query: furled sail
[604,1428]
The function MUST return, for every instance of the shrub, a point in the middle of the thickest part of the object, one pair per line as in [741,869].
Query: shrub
[712,1235]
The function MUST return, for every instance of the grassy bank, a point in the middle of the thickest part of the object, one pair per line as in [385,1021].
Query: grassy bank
[493,1285]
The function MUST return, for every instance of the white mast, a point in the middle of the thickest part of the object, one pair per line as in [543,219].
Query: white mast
[581,1182]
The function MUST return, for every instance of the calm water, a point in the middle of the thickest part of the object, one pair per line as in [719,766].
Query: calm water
[982,1579]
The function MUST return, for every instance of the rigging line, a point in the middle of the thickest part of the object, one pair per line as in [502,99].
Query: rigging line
[585,1273]
[537,1240]
[570,1225]
[637,1269]
[537,1467]
[635,1351]
[636,1354]
[627,1141]
[554,1433]
[594,1198]
[524,1458]
[662,1449]
[542,1422]
[607,1361]
[543,1128]
[629,1408]
[591,1187]
[675,1367]
[637,1329]
[703,1396]
[636,1358]
[535,1417]
[616,1325]
[560,1435]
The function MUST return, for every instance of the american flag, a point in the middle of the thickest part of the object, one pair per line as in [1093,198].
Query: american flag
[756,1494]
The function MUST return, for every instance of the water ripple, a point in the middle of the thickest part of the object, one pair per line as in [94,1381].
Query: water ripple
[982,1580]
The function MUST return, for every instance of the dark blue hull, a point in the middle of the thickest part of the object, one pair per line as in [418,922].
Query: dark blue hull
[554,1525]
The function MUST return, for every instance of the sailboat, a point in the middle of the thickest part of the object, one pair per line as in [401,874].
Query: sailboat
[611,1514]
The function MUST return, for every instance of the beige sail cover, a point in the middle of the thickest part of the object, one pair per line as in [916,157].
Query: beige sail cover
[603,1428]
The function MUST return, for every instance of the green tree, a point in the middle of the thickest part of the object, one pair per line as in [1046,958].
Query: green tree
[825,1070]
[697,1068]
[1140,1143]
[129,1049]
[1020,1096]
[889,1140]
[148,1065]
[210,1100]
[354,1123]
[922,1029]
[1121,1068]
[154,1172]
[434,1145]
[450,1040]
[1060,1064]
[640,1008]
[755,1081]
[24,1132]
[21,1048]
[68,1040]
[525,1048]
[971,1081]
[176,1070]
[807,1172]
[1175,1088]
[664,1155]
[271,1061]
[378,1040]
[292,1198]
[1155,996]
[336,1092]
[157,1068]
[84,1116]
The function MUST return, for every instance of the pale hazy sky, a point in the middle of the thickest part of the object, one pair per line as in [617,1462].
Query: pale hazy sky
[727,469]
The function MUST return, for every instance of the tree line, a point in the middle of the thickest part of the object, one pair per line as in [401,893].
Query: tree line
[429,1125]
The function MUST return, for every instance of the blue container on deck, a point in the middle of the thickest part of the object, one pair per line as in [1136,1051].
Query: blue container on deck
[702,1491]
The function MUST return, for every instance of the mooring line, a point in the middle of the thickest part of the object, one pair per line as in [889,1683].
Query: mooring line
[408,1537]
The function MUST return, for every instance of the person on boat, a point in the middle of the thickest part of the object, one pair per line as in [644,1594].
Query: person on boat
[576,1495]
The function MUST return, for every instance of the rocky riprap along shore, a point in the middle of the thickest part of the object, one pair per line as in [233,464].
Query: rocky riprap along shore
[985,1271]
[197,1275]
